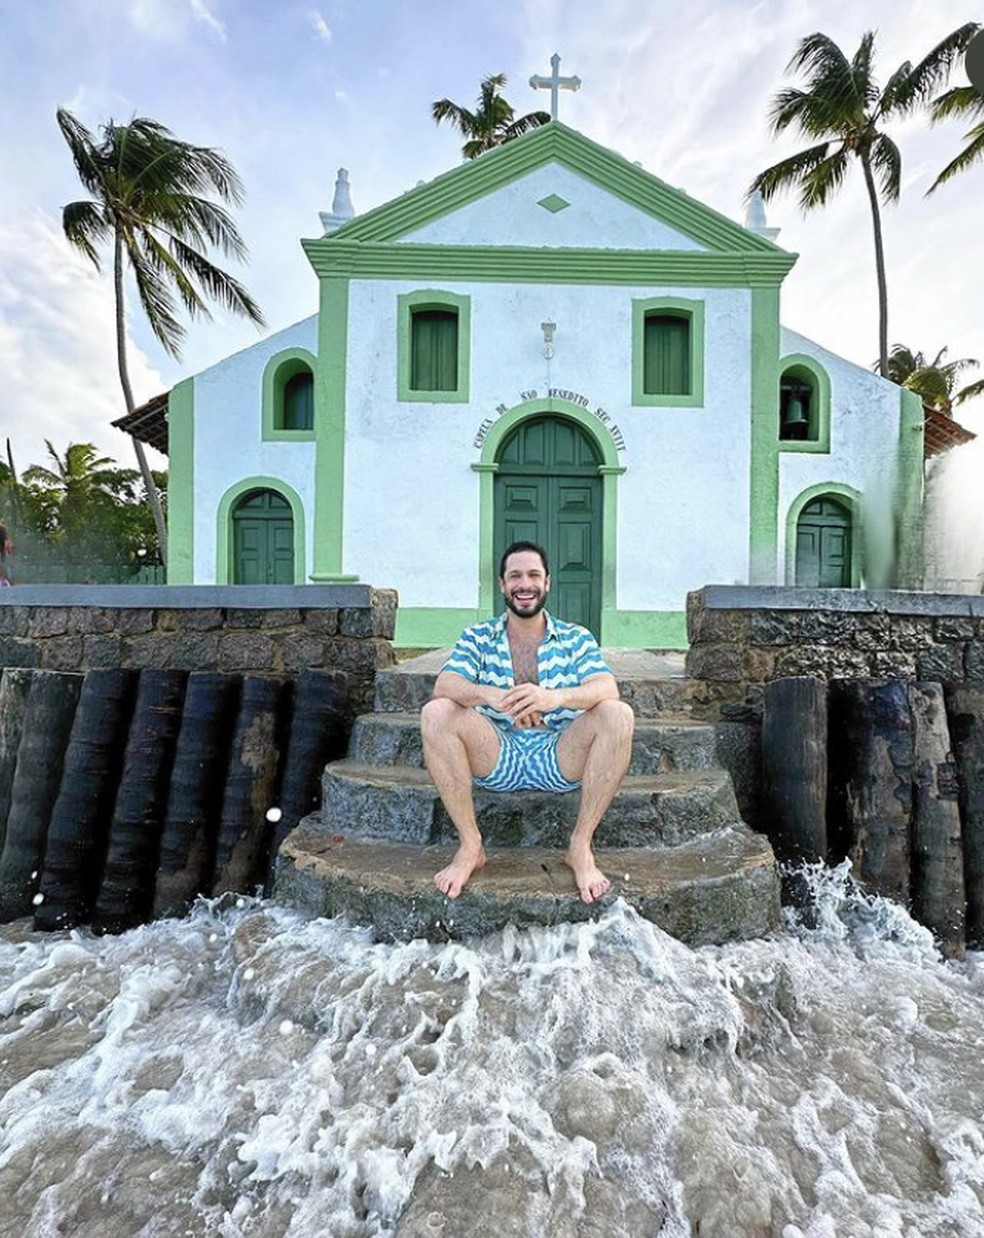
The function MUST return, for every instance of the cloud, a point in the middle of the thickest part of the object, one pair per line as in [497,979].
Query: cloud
[320,26]
[167,21]
[202,13]
[57,340]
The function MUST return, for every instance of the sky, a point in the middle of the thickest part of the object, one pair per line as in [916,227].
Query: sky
[291,91]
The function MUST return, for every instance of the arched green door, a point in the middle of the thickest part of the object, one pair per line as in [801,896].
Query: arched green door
[263,540]
[823,545]
[548,490]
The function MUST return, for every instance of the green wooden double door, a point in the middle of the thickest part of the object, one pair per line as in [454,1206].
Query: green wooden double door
[263,540]
[548,490]
[823,545]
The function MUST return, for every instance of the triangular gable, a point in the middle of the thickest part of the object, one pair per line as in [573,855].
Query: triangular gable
[553,142]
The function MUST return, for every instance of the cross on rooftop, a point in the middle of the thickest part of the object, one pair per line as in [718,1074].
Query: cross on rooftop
[554,83]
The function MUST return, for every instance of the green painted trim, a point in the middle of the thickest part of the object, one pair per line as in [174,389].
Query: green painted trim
[420,626]
[763,515]
[518,265]
[690,309]
[329,431]
[908,497]
[282,366]
[645,629]
[820,444]
[223,525]
[553,143]
[609,470]
[852,500]
[181,483]
[433,298]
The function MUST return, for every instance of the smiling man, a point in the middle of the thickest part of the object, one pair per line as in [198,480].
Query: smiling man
[526,702]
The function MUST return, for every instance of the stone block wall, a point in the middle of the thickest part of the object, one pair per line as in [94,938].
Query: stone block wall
[275,630]
[742,637]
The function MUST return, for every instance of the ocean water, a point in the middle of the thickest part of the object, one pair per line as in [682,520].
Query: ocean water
[245,1072]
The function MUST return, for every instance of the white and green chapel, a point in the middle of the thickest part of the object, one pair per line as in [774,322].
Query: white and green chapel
[547,342]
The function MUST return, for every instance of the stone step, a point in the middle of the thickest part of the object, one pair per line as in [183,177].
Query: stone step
[653,684]
[660,745]
[401,804]
[721,887]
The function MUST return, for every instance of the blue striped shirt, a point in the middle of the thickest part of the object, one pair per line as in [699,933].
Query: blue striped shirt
[566,657]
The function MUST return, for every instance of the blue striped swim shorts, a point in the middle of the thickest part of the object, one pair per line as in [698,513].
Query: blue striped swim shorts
[527,762]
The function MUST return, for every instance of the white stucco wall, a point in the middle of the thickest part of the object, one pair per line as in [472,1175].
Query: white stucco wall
[511,216]
[409,465]
[229,446]
[864,433]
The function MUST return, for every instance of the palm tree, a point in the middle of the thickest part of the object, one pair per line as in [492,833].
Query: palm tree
[147,199]
[967,103]
[78,485]
[843,110]
[492,124]
[935,381]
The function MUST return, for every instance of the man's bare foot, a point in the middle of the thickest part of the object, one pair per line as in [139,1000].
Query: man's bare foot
[592,883]
[453,879]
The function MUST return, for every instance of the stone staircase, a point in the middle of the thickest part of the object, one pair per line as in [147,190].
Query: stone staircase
[672,842]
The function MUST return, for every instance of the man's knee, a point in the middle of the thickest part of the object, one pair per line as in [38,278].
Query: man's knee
[615,717]
[438,716]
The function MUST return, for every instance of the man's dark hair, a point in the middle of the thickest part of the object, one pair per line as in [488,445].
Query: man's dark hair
[515,548]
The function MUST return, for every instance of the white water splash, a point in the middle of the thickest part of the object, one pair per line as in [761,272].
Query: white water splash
[245,1072]
[954,521]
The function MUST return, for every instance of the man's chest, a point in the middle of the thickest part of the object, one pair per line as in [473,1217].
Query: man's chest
[524,656]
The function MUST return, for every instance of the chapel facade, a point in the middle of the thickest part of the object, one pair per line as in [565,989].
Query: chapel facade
[547,342]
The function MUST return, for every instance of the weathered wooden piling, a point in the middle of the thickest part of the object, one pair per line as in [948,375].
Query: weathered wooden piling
[194,802]
[47,723]
[871,764]
[77,833]
[794,772]
[937,876]
[250,788]
[318,734]
[15,684]
[965,711]
[126,892]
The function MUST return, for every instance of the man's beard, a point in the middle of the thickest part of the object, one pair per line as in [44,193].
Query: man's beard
[528,611]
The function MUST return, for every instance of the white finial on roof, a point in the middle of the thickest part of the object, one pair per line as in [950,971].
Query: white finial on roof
[554,83]
[755,220]
[342,209]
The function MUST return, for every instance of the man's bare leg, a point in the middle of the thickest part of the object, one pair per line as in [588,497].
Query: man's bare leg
[458,743]
[595,749]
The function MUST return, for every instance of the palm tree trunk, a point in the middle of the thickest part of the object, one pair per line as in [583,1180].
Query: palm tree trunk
[148,478]
[869,180]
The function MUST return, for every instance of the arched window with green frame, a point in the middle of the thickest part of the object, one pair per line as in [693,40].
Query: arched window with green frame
[289,395]
[804,405]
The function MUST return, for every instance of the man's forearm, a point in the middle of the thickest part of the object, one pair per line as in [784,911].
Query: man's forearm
[598,688]
[462,691]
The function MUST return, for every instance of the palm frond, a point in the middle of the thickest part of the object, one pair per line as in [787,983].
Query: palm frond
[85,226]
[961,101]
[886,160]
[218,285]
[796,170]
[82,146]
[156,300]
[970,392]
[863,72]
[911,86]
[972,153]
[523,124]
